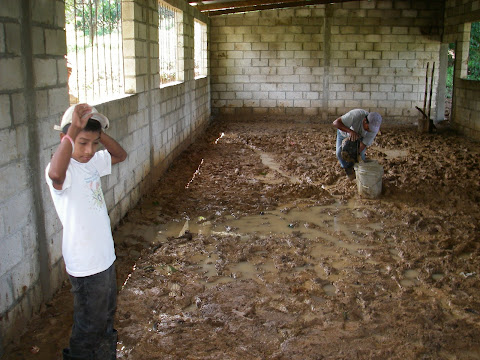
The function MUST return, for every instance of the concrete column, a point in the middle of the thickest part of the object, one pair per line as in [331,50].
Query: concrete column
[327,58]
[34,150]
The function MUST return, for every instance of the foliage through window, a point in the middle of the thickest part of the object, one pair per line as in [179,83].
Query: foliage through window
[473,67]
[200,35]
[450,68]
[170,34]
[94,50]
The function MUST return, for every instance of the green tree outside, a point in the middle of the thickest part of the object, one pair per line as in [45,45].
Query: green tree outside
[473,70]
[93,17]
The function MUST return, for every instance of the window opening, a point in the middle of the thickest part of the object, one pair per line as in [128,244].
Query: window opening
[94,50]
[473,67]
[449,80]
[450,70]
[170,34]
[200,39]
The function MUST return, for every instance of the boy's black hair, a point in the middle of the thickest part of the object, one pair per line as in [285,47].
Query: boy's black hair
[92,126]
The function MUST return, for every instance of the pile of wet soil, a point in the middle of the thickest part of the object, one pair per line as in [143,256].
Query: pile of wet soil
[284,260]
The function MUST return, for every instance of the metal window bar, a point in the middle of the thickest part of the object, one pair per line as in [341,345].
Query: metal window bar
[168,39]
[94,50]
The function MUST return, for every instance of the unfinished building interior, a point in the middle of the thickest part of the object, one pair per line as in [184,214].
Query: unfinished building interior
[237,235]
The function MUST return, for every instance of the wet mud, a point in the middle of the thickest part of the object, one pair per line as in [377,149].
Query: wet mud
[255,245]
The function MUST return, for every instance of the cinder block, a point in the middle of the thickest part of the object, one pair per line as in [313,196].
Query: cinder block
[389,55]
[242,46]
[11,251]
[53,224]
[268,103]
[285,70]
[60,14]
[277,95]
[337,87]
[17,212]
[403,88]
[6,117]
[345,105]
[242,30]
[311,63]
[45,72]
[344,95]
[55,42]
[301,103]
[293,46]
[6,292]
[41,103]
[10,9]
[11,73]
[8,146]
[398,63]
[386,104]
[24,275]
[13,39]
[38,40]
[13,178]
[62,72]
[57,100]
[251,38]
[2,40]
[259,46]
[43,12]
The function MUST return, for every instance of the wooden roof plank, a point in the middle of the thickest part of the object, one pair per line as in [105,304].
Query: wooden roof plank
[237,4]
[269,6]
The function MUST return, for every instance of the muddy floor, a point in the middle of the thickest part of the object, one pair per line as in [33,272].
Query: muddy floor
[254,245]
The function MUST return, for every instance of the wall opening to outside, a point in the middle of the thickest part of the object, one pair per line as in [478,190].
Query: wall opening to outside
[473,64]
[94,50]
[200,39]
[170,34]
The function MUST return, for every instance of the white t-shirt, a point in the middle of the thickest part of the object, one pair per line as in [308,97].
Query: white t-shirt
[354,120]
[87,245]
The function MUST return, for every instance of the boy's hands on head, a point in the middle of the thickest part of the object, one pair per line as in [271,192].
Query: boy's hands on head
[80,116]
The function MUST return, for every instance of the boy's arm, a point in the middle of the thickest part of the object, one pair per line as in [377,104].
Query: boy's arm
[114,148]
[61,157]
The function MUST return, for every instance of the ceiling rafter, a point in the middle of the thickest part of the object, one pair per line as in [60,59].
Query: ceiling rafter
[222,7]
[239,4]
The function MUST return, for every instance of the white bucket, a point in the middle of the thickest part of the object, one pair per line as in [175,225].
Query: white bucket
[369,178]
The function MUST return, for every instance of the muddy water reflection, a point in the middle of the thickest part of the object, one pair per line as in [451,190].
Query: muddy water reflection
[333,231]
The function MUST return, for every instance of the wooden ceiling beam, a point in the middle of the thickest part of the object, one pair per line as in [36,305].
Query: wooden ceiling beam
[268,6]
[236,4]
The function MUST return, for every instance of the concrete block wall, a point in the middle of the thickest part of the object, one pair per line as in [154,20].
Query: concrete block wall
[320,61]
[32,89]
[154,125]
[466,93]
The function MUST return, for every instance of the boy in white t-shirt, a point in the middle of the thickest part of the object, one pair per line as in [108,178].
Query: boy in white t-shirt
[357,124]
[73,176]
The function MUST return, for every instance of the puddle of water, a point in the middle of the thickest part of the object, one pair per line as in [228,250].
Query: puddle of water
[269,161]
[411,274]
[395,254]
[334,230]
[329,290]
[438,276]
[411,278]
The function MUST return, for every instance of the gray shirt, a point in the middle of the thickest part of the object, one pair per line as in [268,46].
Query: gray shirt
[354,120]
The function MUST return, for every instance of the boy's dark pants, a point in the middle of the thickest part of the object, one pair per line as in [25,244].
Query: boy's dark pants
[94,303]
